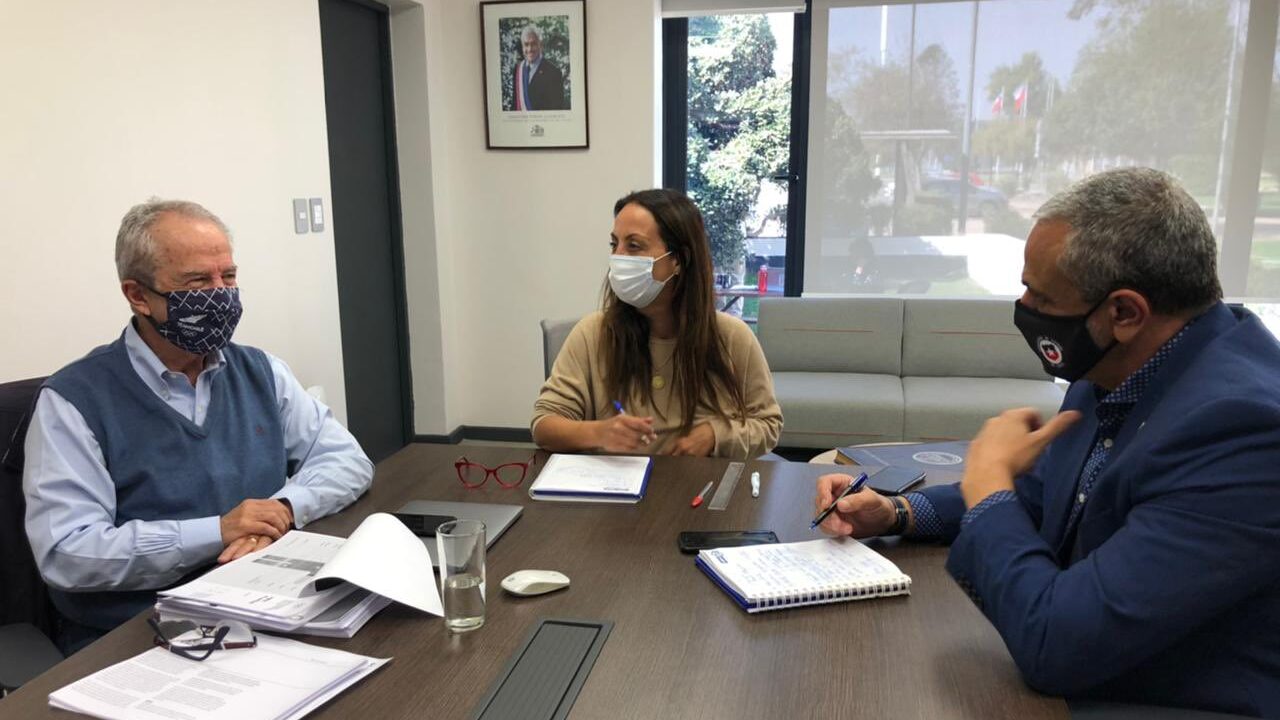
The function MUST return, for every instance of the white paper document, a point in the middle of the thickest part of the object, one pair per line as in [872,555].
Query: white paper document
[593,478]
[279,679]
[275,584]
[385,557]
[276,588]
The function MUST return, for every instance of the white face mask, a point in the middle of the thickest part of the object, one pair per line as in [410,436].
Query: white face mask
[631,279]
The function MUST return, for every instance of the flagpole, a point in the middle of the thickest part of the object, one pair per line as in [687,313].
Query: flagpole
[968,126]
[1226,116]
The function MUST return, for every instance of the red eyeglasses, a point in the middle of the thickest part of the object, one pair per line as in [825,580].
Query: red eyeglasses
[509,475]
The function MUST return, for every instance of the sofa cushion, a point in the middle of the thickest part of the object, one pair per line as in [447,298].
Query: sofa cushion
[965,338]
[954,408]
[854,335]
[825,410]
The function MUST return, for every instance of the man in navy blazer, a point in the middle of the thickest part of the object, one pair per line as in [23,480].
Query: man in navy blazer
[1129,547]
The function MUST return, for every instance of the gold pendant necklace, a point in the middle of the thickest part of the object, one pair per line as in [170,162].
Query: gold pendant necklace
[658,382]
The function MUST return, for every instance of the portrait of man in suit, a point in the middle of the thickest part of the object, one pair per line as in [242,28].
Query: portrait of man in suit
[537,84]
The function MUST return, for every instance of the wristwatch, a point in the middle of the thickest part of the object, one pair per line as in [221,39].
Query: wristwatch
[903,516]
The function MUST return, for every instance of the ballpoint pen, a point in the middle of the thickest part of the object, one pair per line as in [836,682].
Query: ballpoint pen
[853,487]
[698,500]
[645,438]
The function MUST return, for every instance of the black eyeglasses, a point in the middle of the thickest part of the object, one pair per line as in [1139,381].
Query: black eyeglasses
[509,475]
[197,642]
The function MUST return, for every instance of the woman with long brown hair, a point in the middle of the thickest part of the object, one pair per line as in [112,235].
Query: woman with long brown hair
[657,370]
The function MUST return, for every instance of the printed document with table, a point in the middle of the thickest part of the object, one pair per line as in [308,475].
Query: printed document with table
[280,679]
[302,575]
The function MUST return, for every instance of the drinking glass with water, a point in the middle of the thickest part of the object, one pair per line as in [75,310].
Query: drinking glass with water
[461,553]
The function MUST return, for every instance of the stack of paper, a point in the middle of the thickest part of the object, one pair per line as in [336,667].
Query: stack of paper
[310,583]
[593,478]
[279,679]
[342,620]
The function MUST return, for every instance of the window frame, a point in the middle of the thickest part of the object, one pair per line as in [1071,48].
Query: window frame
[675,129]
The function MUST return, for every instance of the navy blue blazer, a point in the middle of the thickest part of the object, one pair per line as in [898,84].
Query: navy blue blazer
[1169,592]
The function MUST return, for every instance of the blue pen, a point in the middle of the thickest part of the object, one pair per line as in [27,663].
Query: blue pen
[854,487]
[645,438]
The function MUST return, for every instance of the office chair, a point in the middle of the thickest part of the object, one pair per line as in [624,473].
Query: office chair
[27,617]
[554,333]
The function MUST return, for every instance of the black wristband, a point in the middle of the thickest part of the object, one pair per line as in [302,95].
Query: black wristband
[903,517]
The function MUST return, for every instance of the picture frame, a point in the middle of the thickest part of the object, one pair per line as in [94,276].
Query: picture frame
[534,55]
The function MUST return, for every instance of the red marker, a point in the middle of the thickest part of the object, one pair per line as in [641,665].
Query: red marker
[698,500]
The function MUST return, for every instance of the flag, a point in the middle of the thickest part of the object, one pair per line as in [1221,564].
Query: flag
[1020,100]
[997,107]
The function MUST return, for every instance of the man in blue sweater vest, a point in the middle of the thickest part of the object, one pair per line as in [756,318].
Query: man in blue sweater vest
[155,455]
[1125,549]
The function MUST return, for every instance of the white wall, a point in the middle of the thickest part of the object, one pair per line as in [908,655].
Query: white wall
[222,102]
[107,103]
[517,236]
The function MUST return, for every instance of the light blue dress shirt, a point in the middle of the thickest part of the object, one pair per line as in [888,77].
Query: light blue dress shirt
[71,500]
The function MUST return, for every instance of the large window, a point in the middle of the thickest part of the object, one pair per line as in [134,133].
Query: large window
[1264,256]
[731,135]
[937,129]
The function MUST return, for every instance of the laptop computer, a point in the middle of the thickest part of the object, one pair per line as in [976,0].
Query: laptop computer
[496,518]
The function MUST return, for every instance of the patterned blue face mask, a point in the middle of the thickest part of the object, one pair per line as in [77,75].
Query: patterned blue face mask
[200,321]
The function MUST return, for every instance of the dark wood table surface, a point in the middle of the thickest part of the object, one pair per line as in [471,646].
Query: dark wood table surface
[680,647]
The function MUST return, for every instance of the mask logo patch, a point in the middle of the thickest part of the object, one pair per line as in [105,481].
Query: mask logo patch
[1050,351]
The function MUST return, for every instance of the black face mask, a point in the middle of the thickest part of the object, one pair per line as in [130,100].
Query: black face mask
[1062,342]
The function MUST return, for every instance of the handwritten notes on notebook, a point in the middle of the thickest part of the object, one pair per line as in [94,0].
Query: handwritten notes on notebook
[770,577]
[593,478]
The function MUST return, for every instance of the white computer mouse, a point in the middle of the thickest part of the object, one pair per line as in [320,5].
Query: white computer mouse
[534,582]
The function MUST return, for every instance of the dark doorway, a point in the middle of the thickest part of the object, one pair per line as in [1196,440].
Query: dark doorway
[355,39]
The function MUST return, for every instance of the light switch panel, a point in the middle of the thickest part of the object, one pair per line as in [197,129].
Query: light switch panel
[300,213]
[317,215]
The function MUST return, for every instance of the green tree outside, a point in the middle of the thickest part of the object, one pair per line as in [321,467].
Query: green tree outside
[739,126]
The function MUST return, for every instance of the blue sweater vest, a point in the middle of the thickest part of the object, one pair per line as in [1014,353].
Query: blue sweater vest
[166,467]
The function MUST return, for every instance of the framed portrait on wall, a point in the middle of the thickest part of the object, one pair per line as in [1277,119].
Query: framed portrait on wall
[535,73]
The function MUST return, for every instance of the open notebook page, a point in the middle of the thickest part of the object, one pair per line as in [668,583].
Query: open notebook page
[762,571]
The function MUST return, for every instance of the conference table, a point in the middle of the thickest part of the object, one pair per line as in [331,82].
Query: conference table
[680,647]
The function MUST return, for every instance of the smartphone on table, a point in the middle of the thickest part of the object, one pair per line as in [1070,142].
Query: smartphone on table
[894,480]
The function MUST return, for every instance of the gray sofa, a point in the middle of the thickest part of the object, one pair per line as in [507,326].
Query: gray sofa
[859,370]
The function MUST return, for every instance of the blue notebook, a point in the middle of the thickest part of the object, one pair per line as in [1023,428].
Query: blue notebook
[816,572]
[923,457]
[593,478]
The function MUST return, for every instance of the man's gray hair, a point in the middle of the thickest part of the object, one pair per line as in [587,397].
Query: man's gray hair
[136,248]
[530,30]
[1137,228]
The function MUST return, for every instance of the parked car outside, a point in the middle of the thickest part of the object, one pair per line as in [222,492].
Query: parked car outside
[947,192]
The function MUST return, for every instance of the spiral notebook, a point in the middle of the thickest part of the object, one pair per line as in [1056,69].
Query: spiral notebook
[593,478]
[815,572]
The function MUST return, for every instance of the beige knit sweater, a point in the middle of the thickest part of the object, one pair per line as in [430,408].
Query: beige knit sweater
[576,390]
